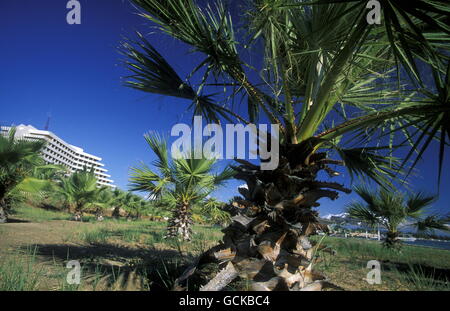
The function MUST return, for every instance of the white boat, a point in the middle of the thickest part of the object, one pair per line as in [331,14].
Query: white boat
[407,239]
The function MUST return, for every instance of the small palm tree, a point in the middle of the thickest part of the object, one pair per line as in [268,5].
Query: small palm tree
[131,204]
[80,191]
[117,201]
[138,207]
[391,209]
[18,159]
[43,184]
[179,184]
[104,200]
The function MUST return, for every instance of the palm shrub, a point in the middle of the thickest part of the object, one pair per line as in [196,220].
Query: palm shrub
[43,184]
[142,207]
[18,159]
[343,93]
[80,191]
[178,183]
[135,205]
[391,209]
[118,198]
[51,172]
[158,210]
[138,208]
[105,199]
[129,202]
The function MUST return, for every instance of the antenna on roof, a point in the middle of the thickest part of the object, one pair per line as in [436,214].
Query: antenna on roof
[47,124]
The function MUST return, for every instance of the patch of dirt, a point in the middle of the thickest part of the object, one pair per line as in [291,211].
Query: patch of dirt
[16,234]
[106,266]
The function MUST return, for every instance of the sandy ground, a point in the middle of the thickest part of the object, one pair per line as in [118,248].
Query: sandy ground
[113,265]
[23,233]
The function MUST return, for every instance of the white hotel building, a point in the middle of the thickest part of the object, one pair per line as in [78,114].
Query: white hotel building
[57,151]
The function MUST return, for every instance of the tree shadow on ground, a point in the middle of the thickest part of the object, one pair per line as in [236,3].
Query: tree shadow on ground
[438,274]
[16,220]
[119,267]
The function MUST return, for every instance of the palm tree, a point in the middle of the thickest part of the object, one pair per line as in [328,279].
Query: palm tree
[179,184]
[342,92]
[80,191]
[128,202]
[391,209]
[105,199]
[214,211]
[18,159]
[139,207]
[117,201]
[43,184]
[131,203]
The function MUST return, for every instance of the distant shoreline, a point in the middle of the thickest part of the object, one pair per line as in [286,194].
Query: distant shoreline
[420,242]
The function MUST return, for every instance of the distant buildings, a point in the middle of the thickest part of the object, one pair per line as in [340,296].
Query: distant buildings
[57,151]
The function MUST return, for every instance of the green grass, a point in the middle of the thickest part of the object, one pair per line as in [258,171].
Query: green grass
[149,233]
[419,280]
[409,254]
[96,236]
[20,272]
[27,212]
[413,268]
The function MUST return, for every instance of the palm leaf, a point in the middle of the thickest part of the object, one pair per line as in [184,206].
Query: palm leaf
[358,211]
[152,74]
[431,223]
[418,202]
[367,162]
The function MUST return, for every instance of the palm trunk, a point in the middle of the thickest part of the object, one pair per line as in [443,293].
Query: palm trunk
[180,223]
[116,212]
[3,214]
[3,205]
[392,241]
[99,215]
[267,241]
[78,212]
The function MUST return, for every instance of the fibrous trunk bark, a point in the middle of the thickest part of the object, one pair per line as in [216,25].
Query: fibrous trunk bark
[267,241]
[78,216]
[392,241]
[3,214]
[116,212]
[180,224]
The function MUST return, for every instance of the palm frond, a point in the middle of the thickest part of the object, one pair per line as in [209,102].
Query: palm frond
[225,175]
[153,74]
[358,211]
[142,178]
[418,202]
[367,162]
[431,223]
[367,194]
[158,145]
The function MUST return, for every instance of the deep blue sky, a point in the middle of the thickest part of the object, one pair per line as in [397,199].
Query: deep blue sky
[73,72]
